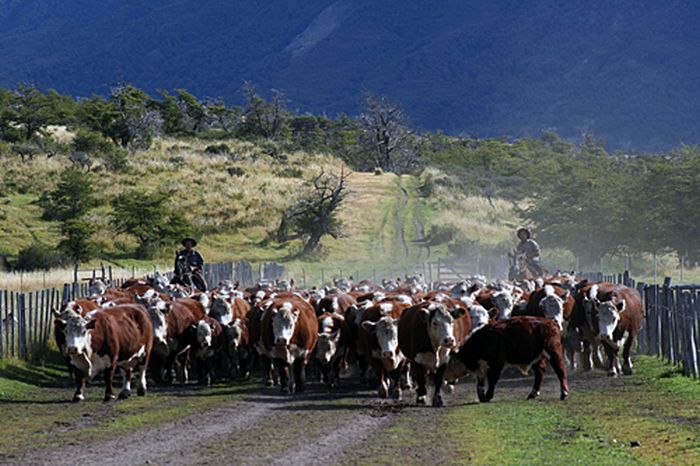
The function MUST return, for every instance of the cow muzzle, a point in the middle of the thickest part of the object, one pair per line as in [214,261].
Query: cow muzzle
[387,354]
[73,351]
[448,342]
[281,342]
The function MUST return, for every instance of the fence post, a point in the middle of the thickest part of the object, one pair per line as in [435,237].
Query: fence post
[2,333]
[22,337]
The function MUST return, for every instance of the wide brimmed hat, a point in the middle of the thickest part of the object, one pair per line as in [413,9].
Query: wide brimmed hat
[526,230]
[185,240]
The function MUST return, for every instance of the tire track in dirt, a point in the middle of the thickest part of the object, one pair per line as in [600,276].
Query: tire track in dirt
[164,444]
[399,225]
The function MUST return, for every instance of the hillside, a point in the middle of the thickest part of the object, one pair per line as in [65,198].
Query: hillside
[389,224]
[623,70]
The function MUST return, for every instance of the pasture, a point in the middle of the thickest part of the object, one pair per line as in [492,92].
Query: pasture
[244,423]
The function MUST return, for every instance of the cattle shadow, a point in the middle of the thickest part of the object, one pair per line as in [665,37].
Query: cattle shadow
[37,376]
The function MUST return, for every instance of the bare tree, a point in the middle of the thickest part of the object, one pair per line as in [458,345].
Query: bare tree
[315,214]
[386,138]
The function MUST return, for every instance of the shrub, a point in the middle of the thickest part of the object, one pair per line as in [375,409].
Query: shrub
[39,256]
[91,142]
[218,149]
[116,160]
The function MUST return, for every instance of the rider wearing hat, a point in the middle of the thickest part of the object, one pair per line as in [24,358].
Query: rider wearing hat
[194,260]
[531,249]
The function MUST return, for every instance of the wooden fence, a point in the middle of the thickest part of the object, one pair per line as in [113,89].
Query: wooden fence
[26,322]
[671,328]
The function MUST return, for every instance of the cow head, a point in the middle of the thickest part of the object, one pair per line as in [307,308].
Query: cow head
[460,289]
[78,341]
[326,346]
[441,324]
[221,310]
[553,306]
[283,321]
[234,333]
[386,330]
[157,310]
[160,282]
[97,287]
[503,301]
[204,334]
[608,317]
[479,316]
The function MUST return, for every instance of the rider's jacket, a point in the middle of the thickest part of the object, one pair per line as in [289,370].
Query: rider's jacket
[193,257]
[529,247]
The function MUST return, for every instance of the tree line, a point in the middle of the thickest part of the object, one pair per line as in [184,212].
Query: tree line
[577,195]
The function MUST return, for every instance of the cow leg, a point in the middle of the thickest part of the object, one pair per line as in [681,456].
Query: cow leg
[109,379]
[494,373]
[481,387]
[79,386]
[438,378]
[184,374]
[597,360]
[126,390]
[626,358]
[420,380]
[612,359]
[141,386]
[539,370]
[557,363]
[395,382]
[362,363]
[299,374]
[267,367]
[587,357]
[283,370]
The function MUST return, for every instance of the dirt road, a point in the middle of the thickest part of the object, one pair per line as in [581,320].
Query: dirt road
[250,424]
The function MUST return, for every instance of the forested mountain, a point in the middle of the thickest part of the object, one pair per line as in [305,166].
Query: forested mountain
[627,70]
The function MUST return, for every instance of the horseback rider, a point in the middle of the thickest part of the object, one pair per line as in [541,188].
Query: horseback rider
[530,249]
[188,265]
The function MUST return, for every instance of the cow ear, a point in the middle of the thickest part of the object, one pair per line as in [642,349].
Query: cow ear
[369,326]
[621,306]
[90,324]
[296,312]
[457,312]
[167,308]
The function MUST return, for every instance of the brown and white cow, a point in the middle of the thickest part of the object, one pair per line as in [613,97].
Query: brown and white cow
[523,342]
[288,334]
[378,344]
[499,302]
[614,314]
[428,332]
[332,346]
[206,339]
[120,337]
[170,321]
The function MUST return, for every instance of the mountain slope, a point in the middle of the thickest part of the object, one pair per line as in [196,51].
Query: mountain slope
[625,70]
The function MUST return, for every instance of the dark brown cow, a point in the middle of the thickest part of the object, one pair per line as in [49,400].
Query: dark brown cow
[612,314]
[378,344]
[238,344]
[332,346]
[118,337]
[170,321]
[288,334]
[555,302]
[336,302]
[523,342]
[428,332]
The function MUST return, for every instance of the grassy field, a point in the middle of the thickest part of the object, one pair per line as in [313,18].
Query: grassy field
[652,417]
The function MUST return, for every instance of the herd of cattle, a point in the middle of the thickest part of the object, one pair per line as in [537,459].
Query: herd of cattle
[399,335]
